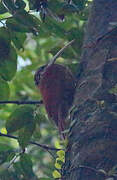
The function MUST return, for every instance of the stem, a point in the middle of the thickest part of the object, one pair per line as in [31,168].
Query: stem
[21,102]
[45,147]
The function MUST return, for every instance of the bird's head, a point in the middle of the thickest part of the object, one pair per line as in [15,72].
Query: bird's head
[42,69]
[38,74]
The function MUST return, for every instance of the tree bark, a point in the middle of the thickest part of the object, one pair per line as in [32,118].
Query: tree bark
[92,149]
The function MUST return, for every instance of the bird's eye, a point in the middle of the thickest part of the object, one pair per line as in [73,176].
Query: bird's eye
[37,76]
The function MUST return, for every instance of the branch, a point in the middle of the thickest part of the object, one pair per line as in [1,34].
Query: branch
[45,147]
[21,102]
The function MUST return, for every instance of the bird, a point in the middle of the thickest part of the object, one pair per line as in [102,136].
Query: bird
[57,86]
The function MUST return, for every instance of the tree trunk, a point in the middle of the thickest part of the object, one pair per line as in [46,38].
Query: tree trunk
[92,149]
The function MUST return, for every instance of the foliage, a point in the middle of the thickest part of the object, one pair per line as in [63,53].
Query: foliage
[29,39]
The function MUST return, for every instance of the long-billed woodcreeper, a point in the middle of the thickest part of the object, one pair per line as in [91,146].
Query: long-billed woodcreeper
[57,87]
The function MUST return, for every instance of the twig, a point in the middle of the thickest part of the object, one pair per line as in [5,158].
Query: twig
[13,160]
[45,147]
[21,102]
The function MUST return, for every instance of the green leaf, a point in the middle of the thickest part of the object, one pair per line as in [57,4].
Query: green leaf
[18,168]
[58,163]
[58,166]
[18,39]
[20,4]
[14,25]
[61,153]
[10,5]
[8,56]
[14,5]
[56,174]
[19,118]
[26,133]
[4,42]
[28,20]
[8,65]
[4,175]
[53,27]
[2,9]
[70,8]
[55,6]
[5,152]
[4,147]
[80,4]
[26,165]
[40,117]
[4,90]
[4,156]
[4,33]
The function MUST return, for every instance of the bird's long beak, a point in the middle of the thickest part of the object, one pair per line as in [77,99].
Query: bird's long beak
[59,53]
